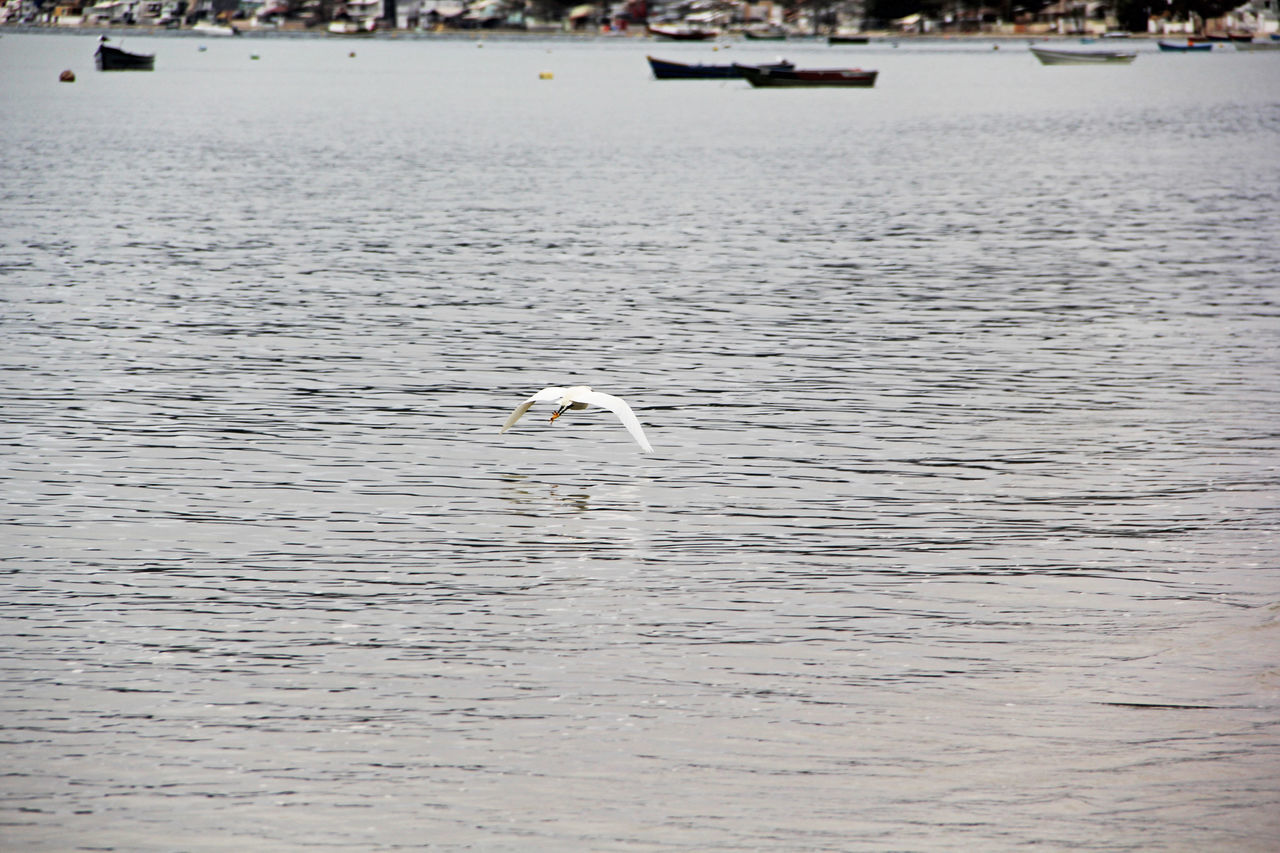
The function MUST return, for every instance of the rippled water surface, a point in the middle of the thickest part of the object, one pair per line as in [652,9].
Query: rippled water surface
[960,532]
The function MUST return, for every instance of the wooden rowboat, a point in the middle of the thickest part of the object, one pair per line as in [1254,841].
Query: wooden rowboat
[1055,56]
[664,69]
[109,58]
[796,77]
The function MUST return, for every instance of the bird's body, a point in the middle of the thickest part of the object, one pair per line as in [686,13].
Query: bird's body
[579,397]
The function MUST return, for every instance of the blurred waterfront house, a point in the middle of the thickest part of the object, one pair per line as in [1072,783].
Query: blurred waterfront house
[796,17]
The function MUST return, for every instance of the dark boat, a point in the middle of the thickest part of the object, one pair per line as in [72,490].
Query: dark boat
[1184,47]
[770,34]
[683,33]
[109,58]
[664,69]
[847,77]
[848,40]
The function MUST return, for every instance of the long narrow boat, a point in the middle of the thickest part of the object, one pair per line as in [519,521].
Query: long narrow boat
[769,34]
[664,69]
[1257,45]
[1057,56]
[682,33]
[109,58]
[1184,47]
[839,39]
[795,77]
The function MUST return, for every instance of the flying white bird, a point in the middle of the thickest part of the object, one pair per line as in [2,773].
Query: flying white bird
[579,397]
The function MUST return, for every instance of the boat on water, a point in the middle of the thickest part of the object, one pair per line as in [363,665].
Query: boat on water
[797,77]
[664,69]
[682,33]
[1184,46]
[766,34]
[205,28]
[839,39]
[109,58]
[1058,56]
[352,27]
[1257,45]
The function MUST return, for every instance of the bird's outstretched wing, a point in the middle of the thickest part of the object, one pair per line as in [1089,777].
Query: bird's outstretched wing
[552,393]
[620,408]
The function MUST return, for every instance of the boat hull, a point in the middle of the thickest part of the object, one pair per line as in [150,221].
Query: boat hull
[808,77]
[683,35]
[1188,47]
[114,59]
[1051,56]
[666,70]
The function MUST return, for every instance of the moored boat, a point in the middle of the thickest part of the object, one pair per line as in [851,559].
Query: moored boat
[1184,46]
[682,33]
[109,58]
[205,28]
[847,39]
[768,34]
[1058,56]
[352,27]
[1257,45]
[796,77]
[664,69]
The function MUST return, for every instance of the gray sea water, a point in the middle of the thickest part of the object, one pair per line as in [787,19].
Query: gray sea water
[961,532]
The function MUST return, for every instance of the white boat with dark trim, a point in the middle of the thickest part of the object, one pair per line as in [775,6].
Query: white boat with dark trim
[1058,56]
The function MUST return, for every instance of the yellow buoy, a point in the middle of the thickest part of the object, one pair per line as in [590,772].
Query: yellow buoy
[546,75]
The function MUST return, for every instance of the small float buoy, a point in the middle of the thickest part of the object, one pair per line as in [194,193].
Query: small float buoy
[253,56]
[202,48]
[67,76]
[352,54]
[546,75]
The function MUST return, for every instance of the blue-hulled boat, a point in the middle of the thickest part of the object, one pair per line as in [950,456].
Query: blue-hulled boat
[1184,46]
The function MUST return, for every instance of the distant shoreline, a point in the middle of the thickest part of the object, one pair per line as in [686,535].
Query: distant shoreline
[514,34]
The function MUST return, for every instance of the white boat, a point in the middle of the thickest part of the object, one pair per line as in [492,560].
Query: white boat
[352,28]
[206,29]
[1056,56]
